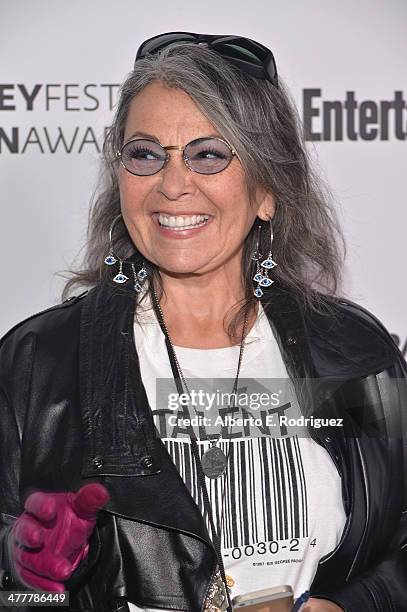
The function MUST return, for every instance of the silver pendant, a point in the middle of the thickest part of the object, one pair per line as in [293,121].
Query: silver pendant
[214,462]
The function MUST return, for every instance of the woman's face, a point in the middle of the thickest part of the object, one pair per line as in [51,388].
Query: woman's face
[171,116]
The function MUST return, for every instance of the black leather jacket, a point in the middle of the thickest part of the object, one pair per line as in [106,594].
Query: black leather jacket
[73,408]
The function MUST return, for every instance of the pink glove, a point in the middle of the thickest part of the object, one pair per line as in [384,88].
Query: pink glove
[50,539]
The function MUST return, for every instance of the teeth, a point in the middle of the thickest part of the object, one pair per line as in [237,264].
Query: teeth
[181,222]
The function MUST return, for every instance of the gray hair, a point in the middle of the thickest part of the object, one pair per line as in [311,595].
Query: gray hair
[261,123]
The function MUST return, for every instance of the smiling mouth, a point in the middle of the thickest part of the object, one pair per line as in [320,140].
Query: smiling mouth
[181,222]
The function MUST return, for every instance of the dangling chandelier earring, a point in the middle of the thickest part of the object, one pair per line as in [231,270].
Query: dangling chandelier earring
[111,259]
[138,277]
[262,269]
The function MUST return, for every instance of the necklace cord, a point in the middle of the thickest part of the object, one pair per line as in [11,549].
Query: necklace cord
[181,384]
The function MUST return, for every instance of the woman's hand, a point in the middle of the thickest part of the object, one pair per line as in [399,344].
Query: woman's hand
[50,539]
[321,605]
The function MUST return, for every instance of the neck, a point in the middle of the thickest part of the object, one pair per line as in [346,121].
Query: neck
[198,308]
[205,295]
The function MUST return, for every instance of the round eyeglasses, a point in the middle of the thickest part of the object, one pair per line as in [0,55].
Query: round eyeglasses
[145,157]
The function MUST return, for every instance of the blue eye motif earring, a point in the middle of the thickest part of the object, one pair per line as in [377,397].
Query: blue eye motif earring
[261,276]
[111,259]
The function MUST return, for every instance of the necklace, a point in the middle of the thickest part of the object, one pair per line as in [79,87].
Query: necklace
[212,464]
[213,461]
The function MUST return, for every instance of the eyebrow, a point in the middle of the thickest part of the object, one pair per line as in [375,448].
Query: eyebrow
[139,134]
[142,135]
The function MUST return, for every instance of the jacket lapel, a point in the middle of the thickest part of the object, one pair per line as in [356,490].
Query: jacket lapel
[286,319]
[121,448]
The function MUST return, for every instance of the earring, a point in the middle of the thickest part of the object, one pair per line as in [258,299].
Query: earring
[111,259]
[138,276]
[262,275]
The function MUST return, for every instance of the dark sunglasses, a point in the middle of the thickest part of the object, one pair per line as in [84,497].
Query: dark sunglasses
[248,55]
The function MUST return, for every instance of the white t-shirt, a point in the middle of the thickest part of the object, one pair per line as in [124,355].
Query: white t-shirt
[282,502]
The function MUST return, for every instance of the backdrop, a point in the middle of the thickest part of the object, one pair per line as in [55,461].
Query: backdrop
[61,64]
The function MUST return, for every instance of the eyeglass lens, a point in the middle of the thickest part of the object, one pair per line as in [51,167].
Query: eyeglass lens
[204,155]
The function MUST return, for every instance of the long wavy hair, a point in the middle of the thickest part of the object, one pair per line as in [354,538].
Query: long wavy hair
[261,123]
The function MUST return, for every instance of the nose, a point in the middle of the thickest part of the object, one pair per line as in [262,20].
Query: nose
[175,178]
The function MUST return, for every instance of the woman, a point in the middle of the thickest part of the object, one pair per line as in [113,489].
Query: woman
[207,245]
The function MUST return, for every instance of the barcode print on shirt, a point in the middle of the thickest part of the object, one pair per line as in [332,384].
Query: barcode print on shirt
[265,495]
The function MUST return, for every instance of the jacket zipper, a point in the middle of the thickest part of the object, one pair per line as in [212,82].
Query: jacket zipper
[209,585]
[362,539]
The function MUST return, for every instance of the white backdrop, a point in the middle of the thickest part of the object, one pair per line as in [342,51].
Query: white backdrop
[61,63]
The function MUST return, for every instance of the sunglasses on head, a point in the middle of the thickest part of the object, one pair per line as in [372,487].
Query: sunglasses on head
[248,55]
